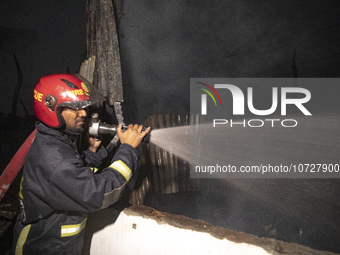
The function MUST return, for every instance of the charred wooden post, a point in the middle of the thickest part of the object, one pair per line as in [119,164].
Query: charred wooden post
[102,42]
[103,46]
[17,89]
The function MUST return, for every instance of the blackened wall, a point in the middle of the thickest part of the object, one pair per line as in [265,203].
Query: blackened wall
[164,43]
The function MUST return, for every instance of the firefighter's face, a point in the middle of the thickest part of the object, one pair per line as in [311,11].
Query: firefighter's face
[74,119]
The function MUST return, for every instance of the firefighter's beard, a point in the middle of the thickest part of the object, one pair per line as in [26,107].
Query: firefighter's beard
[78,126]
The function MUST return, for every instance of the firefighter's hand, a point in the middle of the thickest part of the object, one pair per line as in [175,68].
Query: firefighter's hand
[94,143]
[133,135]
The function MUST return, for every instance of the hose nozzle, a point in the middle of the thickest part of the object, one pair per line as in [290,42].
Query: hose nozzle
[97,128]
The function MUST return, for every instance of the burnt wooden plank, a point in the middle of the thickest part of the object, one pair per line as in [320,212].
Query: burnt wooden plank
[102,42]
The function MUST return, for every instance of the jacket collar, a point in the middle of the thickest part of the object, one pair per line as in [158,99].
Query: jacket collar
[64,135]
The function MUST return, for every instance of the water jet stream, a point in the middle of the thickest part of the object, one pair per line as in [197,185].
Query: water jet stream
[314,140]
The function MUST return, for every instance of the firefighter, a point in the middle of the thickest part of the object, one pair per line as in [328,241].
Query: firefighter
[59,188]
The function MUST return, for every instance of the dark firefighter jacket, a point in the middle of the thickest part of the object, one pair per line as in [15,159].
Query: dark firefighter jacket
[59,189]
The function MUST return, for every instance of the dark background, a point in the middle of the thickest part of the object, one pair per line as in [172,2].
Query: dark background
[163,44]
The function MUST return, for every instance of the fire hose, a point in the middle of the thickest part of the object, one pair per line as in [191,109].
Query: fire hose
[15,165]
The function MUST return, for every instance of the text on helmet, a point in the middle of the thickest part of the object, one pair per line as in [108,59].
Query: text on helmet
[77,92]
[38,96]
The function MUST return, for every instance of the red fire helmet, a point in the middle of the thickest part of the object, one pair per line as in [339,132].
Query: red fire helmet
[56,91]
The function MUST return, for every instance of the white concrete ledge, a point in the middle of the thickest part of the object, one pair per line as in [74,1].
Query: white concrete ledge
[140,230]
